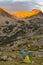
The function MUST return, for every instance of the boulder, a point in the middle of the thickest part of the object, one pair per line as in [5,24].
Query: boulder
[10,59]
[14,56]
[4,57]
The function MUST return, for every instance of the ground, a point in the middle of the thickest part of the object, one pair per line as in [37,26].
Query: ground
[16,61]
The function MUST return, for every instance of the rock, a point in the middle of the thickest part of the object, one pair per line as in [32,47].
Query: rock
[28,45]
[8,48]
[14,56]
[24,47]
[41,63]
[38,54]
[4,57]
[16,63]
[10,59]
[1,53]
[1,48]
[32,62]
[12,48]
[41,50]
[8,45]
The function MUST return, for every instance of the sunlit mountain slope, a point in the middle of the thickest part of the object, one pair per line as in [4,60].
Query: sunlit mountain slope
[21,14]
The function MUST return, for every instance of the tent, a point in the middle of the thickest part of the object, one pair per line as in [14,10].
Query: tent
[30,54]
[22,52]
[27,59]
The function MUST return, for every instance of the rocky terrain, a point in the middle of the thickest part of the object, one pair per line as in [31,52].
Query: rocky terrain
[13,29]
[18,34]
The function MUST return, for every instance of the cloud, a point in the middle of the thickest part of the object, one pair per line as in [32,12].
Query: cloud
[18,6]
[38,3]
[15,5]
[12,0]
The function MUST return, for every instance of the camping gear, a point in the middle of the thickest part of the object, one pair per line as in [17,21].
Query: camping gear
[30,54]
[27,59]
[20,57]
[22,52]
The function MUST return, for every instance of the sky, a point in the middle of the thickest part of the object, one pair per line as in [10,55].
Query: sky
[15,5]
[14,0]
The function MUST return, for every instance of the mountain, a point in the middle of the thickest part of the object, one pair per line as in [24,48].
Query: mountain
[17,31]
[23,14]
[17,34]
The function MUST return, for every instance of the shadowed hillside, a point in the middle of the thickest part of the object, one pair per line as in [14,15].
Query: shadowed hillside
[12,28]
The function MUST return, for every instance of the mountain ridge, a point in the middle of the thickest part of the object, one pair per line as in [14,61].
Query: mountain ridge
[23,14]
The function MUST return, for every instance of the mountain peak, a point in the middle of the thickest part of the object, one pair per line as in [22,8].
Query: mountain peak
[4,12]
[36,10]
[1,9]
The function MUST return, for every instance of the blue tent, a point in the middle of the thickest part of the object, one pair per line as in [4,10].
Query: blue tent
[22,52]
